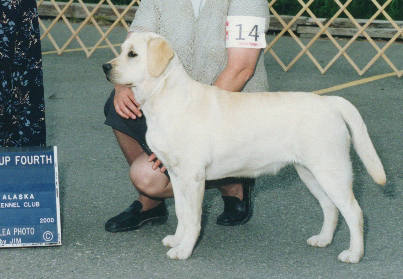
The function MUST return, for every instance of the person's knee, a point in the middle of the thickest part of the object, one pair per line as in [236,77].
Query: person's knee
[143,180]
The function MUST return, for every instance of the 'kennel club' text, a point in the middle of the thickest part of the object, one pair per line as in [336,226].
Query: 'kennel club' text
[23,160]
[19,200]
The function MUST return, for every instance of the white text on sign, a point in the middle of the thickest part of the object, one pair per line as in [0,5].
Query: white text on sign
[26,160]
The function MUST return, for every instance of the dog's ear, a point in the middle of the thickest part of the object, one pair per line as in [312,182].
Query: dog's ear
[158,57]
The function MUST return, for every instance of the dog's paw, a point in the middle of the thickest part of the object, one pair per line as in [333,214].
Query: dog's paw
[319,241]
[348,256]
[180,252]
[170,241]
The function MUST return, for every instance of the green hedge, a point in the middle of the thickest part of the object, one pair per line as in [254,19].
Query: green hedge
[324,8]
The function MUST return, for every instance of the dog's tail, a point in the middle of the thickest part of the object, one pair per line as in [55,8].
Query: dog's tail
[361,141]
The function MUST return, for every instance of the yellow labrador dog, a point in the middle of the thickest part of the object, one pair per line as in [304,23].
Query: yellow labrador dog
[201,132]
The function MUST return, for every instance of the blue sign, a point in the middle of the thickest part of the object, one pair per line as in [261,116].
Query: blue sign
[29,197]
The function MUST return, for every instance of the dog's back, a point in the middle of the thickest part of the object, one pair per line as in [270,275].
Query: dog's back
[287,126]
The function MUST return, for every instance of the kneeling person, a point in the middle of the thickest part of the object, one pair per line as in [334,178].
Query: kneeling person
[229,58]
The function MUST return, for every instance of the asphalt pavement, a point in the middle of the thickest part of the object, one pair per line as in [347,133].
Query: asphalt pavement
[95,186]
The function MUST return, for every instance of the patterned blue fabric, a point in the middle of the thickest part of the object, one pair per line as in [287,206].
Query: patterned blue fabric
[22,108]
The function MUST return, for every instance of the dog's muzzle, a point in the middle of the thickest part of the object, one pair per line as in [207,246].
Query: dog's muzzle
[107,68]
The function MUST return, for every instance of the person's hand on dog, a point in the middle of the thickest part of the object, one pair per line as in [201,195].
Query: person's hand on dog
[125,103]
[157,163]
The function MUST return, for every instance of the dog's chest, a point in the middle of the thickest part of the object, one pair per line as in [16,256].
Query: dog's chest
[160,144]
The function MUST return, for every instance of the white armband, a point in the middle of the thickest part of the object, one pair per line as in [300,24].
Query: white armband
[245,32]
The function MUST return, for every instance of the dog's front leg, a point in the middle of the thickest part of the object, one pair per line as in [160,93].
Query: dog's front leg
[174,240]
[189,194]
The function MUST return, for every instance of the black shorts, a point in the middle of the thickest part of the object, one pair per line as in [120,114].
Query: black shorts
[137,128]
[134,128]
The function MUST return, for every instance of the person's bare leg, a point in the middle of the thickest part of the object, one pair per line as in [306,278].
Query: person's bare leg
[131,150]
[129,146]
[149,182]
[232,190]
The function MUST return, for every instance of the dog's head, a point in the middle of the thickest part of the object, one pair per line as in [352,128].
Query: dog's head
[143,56]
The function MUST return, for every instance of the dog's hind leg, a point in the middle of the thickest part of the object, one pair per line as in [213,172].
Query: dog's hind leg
[330,212]
[337,184]
[189,206]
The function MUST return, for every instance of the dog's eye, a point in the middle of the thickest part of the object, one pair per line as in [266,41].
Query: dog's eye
[132,54]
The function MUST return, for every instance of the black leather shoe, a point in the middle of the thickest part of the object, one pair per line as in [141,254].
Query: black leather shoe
[132,218]
[237,212]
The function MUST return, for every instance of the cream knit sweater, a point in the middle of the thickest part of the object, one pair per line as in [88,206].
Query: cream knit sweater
[200,42]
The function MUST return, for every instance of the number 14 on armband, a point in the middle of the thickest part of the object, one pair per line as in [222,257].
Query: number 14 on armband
[245,32]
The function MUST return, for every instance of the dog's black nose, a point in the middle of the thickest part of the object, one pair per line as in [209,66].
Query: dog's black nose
[107,67]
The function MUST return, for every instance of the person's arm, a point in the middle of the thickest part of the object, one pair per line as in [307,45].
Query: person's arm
[240,68]
[242,61]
